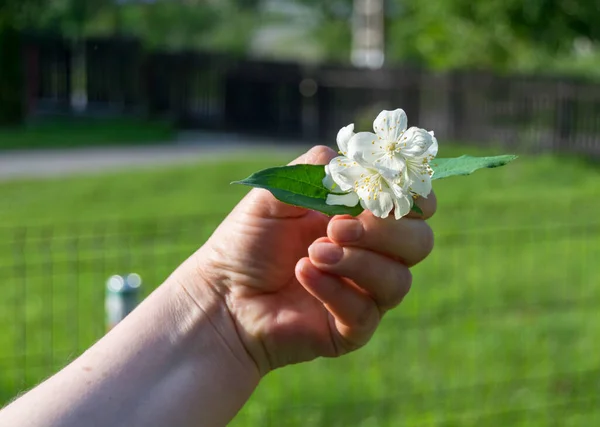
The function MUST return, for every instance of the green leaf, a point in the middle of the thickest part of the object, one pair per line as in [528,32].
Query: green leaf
[319,205]
[417,209]
[466,165]
[298,185]
[302,185]
[306,180]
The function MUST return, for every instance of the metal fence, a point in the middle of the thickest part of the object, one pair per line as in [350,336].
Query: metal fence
[205,90]
[53,282]
[501,327]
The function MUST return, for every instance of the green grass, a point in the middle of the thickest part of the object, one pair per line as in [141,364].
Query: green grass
[500,329]
[84,132]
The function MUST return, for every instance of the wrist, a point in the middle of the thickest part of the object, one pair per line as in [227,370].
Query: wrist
[217,290]
[210,330]
[170,362]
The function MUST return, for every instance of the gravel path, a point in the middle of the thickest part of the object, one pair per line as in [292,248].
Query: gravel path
[188,148]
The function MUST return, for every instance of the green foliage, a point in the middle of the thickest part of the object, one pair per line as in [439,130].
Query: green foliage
[511,35]
[553,23]
[18,13]
[326,25]
[466,165]
[171,24]
[72,16]
[224,25]
[233,27]
[542,36]
[505,35]
[334,39]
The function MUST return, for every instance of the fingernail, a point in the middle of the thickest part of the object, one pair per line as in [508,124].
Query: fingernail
[346,230]
[309,271]
[326,253]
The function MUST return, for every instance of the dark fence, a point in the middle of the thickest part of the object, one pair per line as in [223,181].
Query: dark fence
[201,90]
[47,74]
[501,327]
[114,73]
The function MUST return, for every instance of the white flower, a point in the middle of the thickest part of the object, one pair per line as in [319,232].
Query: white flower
[395,150]
[384,170]
[362,183]
[343,137]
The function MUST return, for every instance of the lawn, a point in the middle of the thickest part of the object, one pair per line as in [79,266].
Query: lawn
[501,327]
[84,132]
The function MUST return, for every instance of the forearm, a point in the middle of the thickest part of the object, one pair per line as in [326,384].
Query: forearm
[166,364]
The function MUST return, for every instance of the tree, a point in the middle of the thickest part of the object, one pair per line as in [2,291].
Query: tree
[224,25]
[503,35]
[494,34]
[318,30]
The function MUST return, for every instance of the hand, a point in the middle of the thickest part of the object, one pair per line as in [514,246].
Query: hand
[286,307]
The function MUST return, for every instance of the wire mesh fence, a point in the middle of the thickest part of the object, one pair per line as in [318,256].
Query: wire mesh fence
[501,327]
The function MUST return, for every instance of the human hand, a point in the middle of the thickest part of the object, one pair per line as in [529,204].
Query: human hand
[297,285]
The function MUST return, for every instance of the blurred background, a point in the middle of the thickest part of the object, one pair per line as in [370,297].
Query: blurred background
[122,123]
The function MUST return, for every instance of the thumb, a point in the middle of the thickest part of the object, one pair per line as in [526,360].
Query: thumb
[262,203]
[318,155]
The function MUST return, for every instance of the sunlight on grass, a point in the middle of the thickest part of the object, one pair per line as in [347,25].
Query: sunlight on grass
[499,329]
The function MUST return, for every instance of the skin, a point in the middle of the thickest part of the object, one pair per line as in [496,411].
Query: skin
[275,285]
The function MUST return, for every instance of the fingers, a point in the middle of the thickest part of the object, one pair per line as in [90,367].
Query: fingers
[356,315]
[428,206]
[385,280]
[318,155]
[409,240]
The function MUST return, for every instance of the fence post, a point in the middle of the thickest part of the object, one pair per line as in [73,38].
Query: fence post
[122,294]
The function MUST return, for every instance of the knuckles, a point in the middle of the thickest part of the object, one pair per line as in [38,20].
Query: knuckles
[398,289]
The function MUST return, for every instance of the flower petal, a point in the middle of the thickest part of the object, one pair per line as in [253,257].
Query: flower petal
[403,200]
[402,206]
[390,166]
[343,137]
[420,183]
[433,149]
[390,124]
[418,142]
[346,172]
[380,206]
[350,199]
[370,185]
[328,181]
[399,190]
[365,148]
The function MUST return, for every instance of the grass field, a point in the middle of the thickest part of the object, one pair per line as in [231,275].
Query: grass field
[501,328]
[84,132]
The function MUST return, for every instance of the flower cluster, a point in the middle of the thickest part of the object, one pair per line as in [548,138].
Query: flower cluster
[385,170]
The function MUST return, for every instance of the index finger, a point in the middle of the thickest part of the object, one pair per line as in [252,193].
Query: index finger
[427,205]
[409,239]
[317,155]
